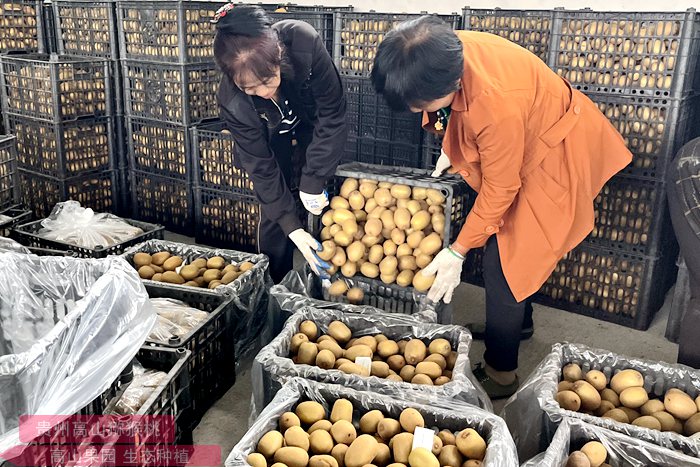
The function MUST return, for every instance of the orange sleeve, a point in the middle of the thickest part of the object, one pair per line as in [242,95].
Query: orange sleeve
[500,140]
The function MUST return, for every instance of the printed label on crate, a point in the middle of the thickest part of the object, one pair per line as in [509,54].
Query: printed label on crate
[364,362]
[45,429]
[423,438]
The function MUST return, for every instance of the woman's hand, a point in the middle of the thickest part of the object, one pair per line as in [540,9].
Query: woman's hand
[314,203]
[448,267]
[443,163]
[308,246]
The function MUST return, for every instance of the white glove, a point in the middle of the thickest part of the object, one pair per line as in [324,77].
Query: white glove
[448,266]
[308,246]
[443,163]
[314,203]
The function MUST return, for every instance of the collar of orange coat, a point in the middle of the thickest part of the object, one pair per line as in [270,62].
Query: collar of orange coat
[459,104]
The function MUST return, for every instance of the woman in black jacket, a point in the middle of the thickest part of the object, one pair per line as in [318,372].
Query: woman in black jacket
[280,97]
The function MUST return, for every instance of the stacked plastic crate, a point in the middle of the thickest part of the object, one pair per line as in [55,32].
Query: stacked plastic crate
[377,135]
[170,83]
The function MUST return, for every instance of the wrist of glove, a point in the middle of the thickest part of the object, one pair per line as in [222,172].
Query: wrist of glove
[314,203]
[443,163]
[308,246]
[447,267]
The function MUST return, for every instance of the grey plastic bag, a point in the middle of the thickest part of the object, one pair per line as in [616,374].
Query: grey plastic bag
[443,414]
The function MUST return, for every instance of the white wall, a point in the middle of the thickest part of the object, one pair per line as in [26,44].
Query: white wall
[449,6]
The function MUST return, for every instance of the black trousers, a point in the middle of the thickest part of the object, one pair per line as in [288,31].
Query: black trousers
[505,317]
[688,344]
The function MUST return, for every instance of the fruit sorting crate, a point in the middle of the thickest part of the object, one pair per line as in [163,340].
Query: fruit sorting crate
[183,94]
[12,216]
[432,147]
[27,234]
[212,363]
[627,53]
[357,36]
[22,26]
[322,22]
[226,219]
[58,89]
[214,167]
[385,153]
[96,190]
[64,149]
[528,28]
[631,216]
[86,28]
[157,147]
[162,200]
[609,285]
[9,189]
[654,129]
[473,269]
[166,31]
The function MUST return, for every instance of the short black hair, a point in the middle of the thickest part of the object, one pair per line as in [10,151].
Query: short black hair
[420,60]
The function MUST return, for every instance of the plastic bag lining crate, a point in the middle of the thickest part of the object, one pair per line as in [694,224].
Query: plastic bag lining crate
[86,27]
[158,147]
[183,94]
[64,149]
[654,129]
[62,89]
[357,36]
[626,53]
[631,215]
[528,28]
[22,26]
[162,200]
[322,21]
[226,219]
[213,156]
[9,189]
[212,364]
[166,31]
[96,190]
[610,285]
[27,234]
[533,414]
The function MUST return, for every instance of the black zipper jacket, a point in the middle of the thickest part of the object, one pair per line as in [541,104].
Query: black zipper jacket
[314,90]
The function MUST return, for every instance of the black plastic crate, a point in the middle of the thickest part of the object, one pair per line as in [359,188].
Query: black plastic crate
[22,26]
[271,7]
[212,149]
[631,215]
[473,270]
[63,149]
[388,153]
[12,216]
[166,31]
[627,53]
[27,234]
[530,29]
[432,147]
[94,190]
[322,21]
[654,129]
[160,148]
[212,364]
[162,200]
[183,94]
[9,189]
[358,35]
[86,28]
[610,285]
[62,88]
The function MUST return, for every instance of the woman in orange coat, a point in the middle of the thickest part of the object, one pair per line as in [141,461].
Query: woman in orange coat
[536,151]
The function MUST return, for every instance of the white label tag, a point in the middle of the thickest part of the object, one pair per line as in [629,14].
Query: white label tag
[423,438]
[366,363]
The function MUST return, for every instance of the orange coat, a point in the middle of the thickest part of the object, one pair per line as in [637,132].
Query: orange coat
[536,151]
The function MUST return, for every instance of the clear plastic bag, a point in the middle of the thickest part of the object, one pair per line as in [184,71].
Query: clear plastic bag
[175,318]
[272,366]
[438,413]
[140,389]
[69,328]
[533,415]
[9,245]
[76,225]
[623,450]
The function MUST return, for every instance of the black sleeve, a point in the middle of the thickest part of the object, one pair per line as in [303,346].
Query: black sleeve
[254,155]
[330,131]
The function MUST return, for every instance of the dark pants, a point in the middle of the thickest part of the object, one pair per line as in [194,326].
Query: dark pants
[689,344]
[505,317]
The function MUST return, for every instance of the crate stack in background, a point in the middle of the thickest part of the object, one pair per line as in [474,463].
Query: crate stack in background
[11,211]
[170,83]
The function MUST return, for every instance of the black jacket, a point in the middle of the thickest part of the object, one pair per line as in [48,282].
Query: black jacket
[315,92]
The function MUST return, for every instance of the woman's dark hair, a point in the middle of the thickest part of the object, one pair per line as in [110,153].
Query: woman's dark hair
[417,62]
[245,41]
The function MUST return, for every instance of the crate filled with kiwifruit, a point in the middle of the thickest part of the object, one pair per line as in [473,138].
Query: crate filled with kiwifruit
[391,354]
[657,402]
[314,424]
